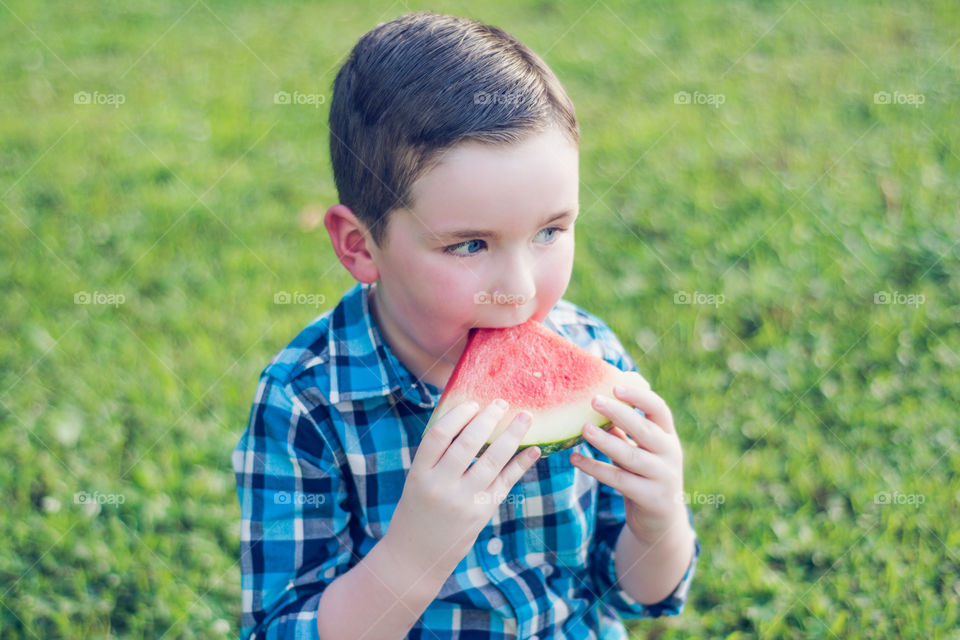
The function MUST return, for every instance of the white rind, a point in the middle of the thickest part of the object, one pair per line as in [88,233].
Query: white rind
[560,422]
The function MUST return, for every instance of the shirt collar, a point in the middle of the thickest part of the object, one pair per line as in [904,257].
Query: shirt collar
[362,365]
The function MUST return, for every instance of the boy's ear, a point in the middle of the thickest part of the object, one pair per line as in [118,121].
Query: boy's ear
[349,237]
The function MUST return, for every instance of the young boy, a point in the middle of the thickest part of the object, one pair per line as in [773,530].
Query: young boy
[455,154]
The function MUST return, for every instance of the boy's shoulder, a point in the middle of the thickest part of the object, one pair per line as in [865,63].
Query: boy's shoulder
[345,337]
[336,330]
[340,356]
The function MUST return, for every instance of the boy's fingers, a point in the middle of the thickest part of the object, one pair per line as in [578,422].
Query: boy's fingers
[626,418]
[468,442]
[652,405]
[515,470]
[638,460]
[617,431]
[646,435]
[438,438]
[498,454]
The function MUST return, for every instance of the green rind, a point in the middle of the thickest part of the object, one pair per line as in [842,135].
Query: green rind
[550,448]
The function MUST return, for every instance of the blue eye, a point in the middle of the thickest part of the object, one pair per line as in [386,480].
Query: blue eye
[464,248]
[552,230]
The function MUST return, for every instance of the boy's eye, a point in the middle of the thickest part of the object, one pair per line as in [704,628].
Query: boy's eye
[472,247]
[467,248]
[550,231]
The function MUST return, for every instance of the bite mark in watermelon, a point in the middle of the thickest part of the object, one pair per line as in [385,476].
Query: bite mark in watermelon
[537,370]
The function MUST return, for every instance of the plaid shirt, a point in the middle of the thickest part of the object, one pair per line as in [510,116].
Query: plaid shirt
[321,466]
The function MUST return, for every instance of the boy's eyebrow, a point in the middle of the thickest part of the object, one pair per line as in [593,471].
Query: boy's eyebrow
[469,234]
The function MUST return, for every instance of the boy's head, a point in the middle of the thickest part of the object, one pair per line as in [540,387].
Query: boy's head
[440,125]
[420,84]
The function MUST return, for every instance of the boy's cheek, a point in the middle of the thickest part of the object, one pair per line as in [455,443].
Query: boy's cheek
[556,275]
[433,285]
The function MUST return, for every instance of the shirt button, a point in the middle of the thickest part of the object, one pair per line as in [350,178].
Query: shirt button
[495,546]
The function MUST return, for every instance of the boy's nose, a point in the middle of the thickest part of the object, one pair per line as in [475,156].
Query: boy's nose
[518,282]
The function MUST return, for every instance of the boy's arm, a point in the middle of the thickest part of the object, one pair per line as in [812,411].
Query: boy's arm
[651,572]
[296,541]
[624,572]
[379,599]
[306,571]
[612,559]
[295,535]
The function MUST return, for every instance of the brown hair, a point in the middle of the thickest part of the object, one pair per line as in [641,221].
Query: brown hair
[418,85]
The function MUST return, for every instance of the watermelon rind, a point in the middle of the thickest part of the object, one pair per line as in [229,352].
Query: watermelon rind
[559,427]
[549,448]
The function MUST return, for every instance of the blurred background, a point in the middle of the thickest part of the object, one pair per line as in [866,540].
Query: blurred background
[769,222]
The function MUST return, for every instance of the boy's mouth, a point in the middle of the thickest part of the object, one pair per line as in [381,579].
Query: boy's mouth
[503,325]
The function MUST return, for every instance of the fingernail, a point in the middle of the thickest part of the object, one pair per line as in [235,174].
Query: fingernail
[619,390]
[534,452]
[601,402]
[501,403]
[523,418]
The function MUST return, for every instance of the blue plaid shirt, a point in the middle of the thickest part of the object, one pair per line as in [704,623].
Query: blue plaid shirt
[320,468]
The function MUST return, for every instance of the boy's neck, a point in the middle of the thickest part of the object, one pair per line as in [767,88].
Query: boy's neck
[423,365]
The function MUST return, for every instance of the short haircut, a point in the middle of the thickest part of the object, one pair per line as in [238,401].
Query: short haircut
[420,84]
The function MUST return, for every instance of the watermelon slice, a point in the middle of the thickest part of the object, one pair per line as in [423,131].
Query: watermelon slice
[534,369]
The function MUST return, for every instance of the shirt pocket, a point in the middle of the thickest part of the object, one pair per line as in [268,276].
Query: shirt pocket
[559,510]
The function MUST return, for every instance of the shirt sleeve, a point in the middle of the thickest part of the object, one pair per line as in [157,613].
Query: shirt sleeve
[611,518]
[294,537]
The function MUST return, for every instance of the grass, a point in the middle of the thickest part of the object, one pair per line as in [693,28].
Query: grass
[819,423]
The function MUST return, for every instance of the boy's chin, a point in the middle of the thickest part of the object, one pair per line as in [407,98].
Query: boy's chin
[510,321]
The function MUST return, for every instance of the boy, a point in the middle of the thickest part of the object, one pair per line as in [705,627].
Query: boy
[455,154]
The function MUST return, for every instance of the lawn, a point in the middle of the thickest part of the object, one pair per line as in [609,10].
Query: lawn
[769,221]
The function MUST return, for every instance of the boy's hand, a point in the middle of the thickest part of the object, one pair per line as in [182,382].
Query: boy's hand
[445,505]
[648,467]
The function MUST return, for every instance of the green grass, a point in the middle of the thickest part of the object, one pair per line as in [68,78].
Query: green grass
[802,404]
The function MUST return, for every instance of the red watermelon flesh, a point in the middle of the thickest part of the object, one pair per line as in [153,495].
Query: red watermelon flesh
[535,369]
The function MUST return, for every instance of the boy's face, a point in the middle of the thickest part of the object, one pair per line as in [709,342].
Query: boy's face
[484,246]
